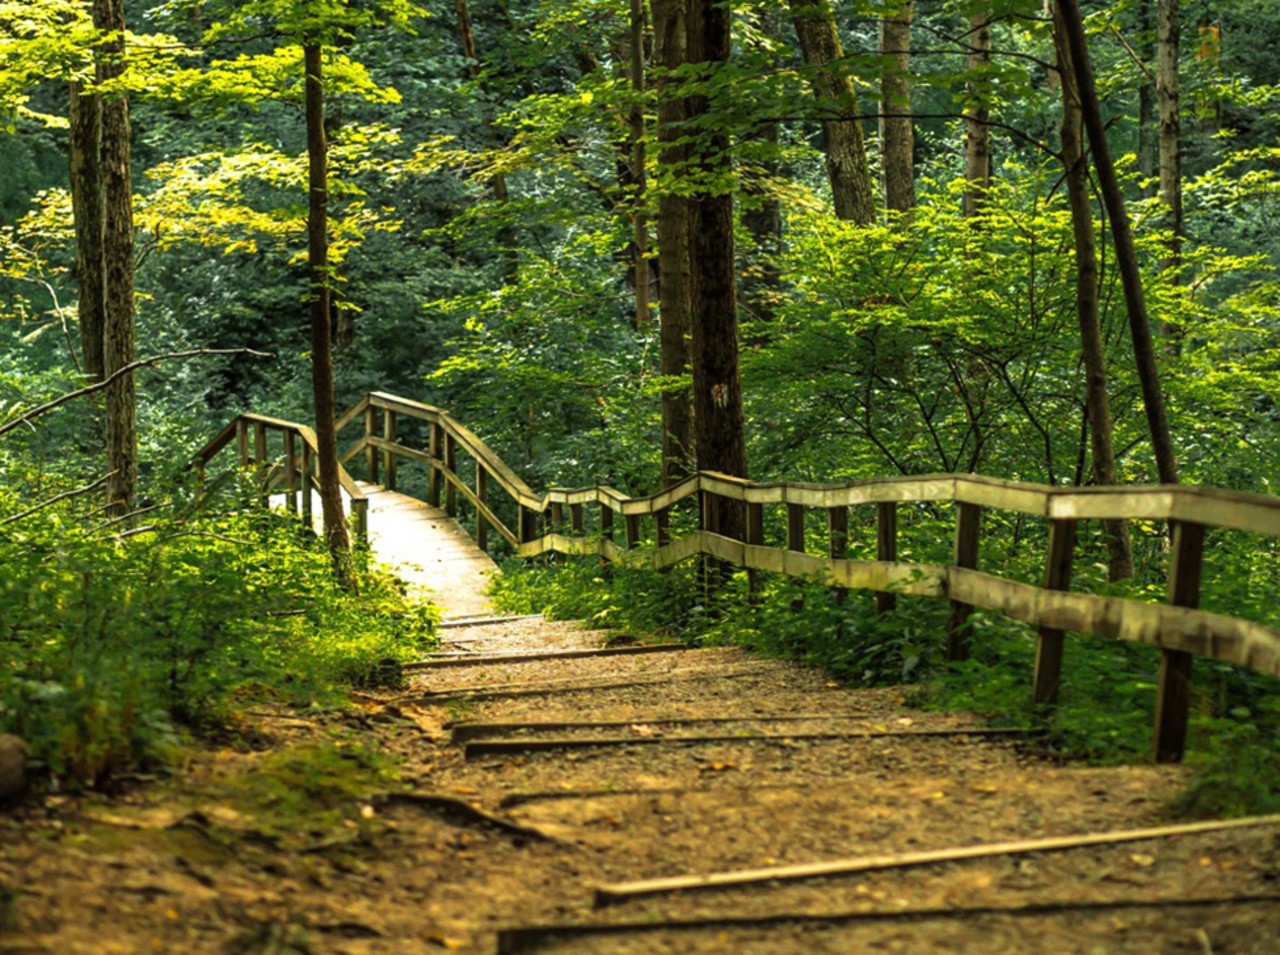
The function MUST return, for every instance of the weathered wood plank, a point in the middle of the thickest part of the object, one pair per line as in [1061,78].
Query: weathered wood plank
[1173,693]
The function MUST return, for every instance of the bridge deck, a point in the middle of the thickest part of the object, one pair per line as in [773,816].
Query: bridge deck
[430,552]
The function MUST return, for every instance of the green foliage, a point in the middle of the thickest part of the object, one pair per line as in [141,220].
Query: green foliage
[1238,771]
[113,644]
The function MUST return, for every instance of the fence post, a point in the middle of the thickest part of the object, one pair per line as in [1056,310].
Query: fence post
[242,442]
[291,472]
[968,526]
[370,452]
[482,495]
[576,520]
[754,537]
[360,512]
[307,465]
[433,469]
[632,524]
[838,527]
[451,467]
[1049,643]
[1173,697]
[389,456]
[528,529]
[886,548]
[606,521]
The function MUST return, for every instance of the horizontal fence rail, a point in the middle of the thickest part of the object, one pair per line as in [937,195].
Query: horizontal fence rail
[295,470]
[536,524]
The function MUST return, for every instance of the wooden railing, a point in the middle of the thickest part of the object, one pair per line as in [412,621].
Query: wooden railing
[537,525]
[295,470]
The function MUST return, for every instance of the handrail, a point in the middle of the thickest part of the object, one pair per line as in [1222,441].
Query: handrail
[299,464]
[1178,628]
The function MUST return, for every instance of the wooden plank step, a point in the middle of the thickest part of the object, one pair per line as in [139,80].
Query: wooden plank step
[515,941]
[462,732]
[624,891]
[500,747]
[482,620]
[477,657]
[545,687]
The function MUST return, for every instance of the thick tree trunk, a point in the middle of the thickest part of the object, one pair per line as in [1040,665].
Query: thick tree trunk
[761,209]
[897,133]
[498,183]
[673,245]
[717,389]
[1146,92]
[1168,32]
[847,166]
[1092,349]
[118,337]
[1126,257]
[977,129]
[335,528]
[87,205]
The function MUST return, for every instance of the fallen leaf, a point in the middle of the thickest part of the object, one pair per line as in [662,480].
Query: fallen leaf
[1142,859]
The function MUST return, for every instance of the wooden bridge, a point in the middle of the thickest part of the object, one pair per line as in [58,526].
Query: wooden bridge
[465,480]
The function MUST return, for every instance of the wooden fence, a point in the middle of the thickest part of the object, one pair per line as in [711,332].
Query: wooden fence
[1177,627]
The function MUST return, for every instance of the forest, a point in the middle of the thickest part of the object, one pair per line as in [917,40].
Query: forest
[806,240]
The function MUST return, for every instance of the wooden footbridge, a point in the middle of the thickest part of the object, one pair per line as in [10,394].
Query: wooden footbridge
[665,798]
[465,483]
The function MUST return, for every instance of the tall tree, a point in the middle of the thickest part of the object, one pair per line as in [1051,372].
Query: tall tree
[335,528]
[977,127]
[117,258]
[847,166]
[670,48]
[639,216]
[1168,33]
[897,132]
[1072,25]
[717,388]
[87,203]
[761,208]
[1092,349]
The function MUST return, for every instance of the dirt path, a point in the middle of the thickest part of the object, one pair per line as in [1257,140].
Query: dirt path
[521,787]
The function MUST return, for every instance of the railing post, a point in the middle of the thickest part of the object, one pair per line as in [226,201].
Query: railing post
[528,529]
[242,442]
[433,470]
[754,536]
[662,526]
[482,495]
[795,527]
[576,520]
[968,527]
[370,452]
[838,526]
[450,466]
[1049,644]
[261,472]
[291,472]
[389,456]
[632,523]
[307,465]
[1173,697]
[886,548]
[360,514]
[557,517]
[606,521]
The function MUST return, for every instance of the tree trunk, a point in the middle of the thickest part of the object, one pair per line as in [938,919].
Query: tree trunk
[335,528]
[498,182]
[977,131]
[87,204]
[897,134]
[639,177]
[717,389]
[673,245]
[1126,257]
[1168,30]
[1146,93]
[117,338]
[847,166]
[1092,349]
[762,211]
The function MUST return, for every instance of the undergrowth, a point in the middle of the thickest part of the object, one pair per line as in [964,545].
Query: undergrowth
[114,647]
[1106,696]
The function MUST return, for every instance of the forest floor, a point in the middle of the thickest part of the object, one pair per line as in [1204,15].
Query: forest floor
[435,818]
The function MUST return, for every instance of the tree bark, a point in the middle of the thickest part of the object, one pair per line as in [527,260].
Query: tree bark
[762,211]
[673,244]
[118,334]
[847,166]
[897,133]
[717,388]
[498,182]
[1092,349]
[977,129]
[1168,33]
[1126,257]
[87,204]
[335,528]
[1146,93]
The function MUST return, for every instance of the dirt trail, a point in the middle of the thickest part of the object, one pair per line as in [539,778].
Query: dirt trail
[523,786]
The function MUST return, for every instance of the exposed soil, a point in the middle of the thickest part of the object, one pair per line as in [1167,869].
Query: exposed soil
[642,766]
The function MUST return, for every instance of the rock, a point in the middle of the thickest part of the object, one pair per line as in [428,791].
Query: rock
[13,766]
